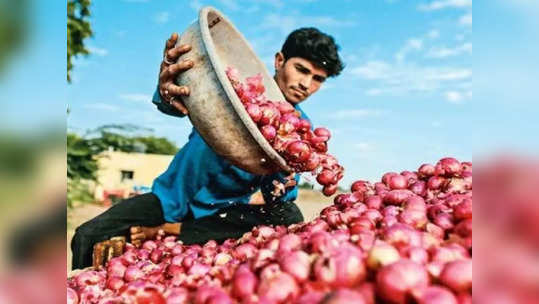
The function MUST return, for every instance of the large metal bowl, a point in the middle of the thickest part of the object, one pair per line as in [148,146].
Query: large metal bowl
[214,108]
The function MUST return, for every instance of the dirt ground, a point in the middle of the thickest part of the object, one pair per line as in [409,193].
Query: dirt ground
[310,203]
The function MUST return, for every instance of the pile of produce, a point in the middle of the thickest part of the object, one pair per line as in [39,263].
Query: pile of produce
[304,149]
[404,239]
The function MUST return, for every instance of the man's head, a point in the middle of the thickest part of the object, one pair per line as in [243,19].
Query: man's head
[306,59]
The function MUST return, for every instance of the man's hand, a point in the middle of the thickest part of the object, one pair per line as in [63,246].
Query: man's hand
[140,233]
[169,71]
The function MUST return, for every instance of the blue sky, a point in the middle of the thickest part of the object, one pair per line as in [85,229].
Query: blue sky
[402,99]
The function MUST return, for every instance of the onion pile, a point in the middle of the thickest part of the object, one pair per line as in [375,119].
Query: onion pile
[401,240]
[304,149]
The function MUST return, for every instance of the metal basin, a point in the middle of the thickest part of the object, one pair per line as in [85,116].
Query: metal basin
[214,108]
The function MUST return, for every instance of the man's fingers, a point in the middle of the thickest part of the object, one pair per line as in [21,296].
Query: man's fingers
[175,90]
[138,236]
[171,42]
[181,66]
[135,229]
[173,70]
[137,243]
[176,52]
[178,105]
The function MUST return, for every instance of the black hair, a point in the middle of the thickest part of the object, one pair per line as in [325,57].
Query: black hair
[319,48]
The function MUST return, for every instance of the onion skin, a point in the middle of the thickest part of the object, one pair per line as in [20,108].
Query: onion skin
[434,295]
[382,254]
[457,275]
[395,281]
[344,296]
[282,288]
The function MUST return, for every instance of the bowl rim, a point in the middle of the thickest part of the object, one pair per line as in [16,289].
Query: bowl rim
[227,86]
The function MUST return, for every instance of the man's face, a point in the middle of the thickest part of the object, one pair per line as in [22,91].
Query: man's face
[297,78]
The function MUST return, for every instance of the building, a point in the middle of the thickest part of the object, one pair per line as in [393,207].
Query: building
[121,174]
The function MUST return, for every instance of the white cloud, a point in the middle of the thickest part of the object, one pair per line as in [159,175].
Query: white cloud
[441,4]
[288,23]
[412,44]
[466,20]
[98,51]
[404,79]
[354,114]
[373,70]
[100,106]
[136,97]
[161,17]
[364,146]
[433,34]
[443,52]
[457,97]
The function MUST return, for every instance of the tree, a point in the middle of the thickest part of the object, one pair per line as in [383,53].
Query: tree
[78,29]
[13,28]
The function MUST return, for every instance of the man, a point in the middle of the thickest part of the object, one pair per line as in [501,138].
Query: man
[201,196]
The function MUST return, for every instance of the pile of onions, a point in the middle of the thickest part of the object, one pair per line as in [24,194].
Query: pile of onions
[400,240]
[304,148]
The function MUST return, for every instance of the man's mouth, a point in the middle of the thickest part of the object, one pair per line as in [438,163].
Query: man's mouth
[300,93]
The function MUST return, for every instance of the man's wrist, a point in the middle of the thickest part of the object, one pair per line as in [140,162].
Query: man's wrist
[172,228]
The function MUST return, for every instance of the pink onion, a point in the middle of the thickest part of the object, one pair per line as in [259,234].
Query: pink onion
[425,171]
[374,202]
[72,297]
[397,197]
[397,280]
[382,254]
[344,296]
[342,268]
[269,132]
[397,182]
[296,263]
[282,288]
[244,282]
[254,111]
[434,295]
[457,275]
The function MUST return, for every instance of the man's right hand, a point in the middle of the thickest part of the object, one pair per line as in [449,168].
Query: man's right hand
[169,71]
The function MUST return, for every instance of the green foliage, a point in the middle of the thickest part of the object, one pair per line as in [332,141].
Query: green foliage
[13,27]
[78,29]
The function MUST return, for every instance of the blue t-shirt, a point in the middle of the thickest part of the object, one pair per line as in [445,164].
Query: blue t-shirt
[200,181]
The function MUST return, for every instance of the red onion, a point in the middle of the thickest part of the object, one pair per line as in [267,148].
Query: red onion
[397,280]
[177,295]
[382,254]
[310,297]
[400,235]
[244,282]
[323,132]
[417,254]
[269,132]
[464,228]
[254,111]
[245,251]
[397,197]
[434,295]
[342,268]
[419,188]
[282,288]
[325,177]
[114,283]
[425,171]
[374,202]
[463,210]
[329,190]
[435,182]
[72,297]
[448,167]
[344,296]
[296,263]
[397,182]
[457,275]
[298,151]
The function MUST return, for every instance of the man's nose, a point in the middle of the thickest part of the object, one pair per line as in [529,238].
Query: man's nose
[305,83]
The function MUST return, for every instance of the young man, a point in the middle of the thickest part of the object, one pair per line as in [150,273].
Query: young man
[201,196]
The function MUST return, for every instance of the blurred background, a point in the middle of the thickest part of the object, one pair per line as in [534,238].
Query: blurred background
[405,98]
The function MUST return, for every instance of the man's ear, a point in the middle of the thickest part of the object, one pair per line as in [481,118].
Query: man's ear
[279,60]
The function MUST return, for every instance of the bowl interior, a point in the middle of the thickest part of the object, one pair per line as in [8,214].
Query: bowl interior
[228,48]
